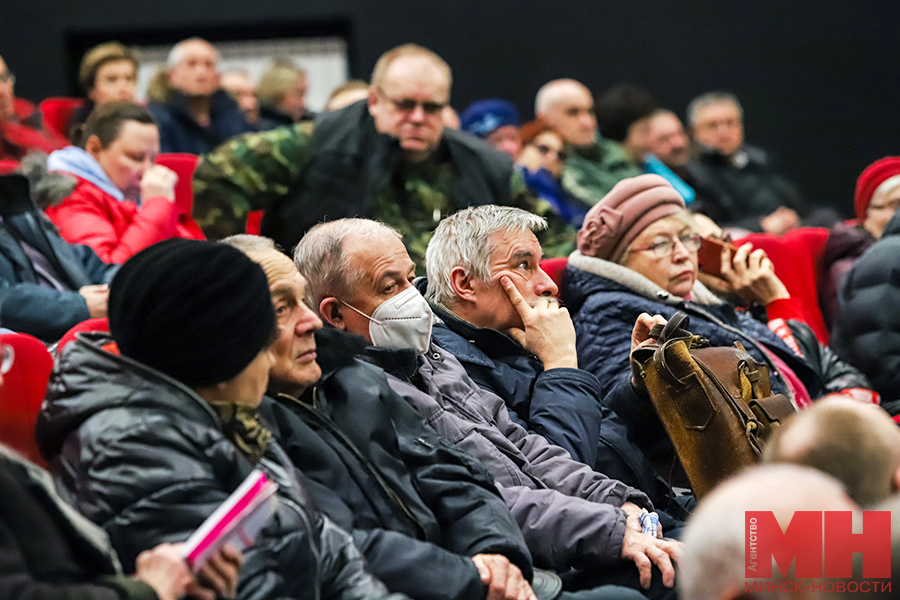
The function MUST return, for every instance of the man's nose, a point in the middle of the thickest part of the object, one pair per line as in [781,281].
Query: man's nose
[308,322]
[417,114]
[545,286]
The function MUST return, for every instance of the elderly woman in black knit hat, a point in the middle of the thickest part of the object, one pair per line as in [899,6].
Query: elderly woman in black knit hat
[150,429]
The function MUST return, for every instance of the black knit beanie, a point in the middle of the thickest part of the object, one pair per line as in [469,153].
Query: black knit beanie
[198,311]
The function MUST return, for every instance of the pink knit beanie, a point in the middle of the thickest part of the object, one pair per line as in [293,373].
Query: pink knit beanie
[629,208]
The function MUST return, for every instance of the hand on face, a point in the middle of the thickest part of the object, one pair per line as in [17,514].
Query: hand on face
[548,330]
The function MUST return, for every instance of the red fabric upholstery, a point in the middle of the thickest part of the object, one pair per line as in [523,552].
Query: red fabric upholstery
[254,218]
[8,166]
[23,392]
[184,165]
[89,325]
[797,256]
[555,268]
[57,113]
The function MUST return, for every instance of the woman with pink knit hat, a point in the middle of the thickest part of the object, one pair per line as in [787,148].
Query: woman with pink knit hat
[875,202]
[637,253]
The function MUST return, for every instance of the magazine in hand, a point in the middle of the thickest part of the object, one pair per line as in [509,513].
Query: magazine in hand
[237,521]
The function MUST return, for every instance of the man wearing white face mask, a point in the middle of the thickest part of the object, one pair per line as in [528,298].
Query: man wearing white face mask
[359,278]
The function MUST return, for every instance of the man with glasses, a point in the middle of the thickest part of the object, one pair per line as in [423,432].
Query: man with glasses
[389,157]
[21,126]
[595,164]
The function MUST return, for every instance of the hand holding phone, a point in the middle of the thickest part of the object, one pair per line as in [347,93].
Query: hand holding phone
[710,256]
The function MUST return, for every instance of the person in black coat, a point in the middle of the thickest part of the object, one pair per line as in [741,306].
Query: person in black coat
[46,285]
[150,430]
[416,506]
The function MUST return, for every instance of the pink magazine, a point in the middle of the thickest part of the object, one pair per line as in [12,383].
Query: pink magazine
[237,520]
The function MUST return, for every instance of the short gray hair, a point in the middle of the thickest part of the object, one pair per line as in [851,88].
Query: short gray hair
[463,240]
[715,537]
[555,91]
[177,52]
[320,257]
[707,99]
[250,244]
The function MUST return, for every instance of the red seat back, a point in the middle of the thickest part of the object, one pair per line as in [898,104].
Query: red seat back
[555,268]
[89,325]
[797,257]
[57,113]
[184,166]
[8,166]
[254,220]
[23,392]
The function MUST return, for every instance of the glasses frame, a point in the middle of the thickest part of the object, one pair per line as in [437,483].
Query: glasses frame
[667,248]
[408,105]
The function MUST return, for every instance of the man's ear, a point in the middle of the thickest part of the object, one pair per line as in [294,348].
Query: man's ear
[93,146]
[895,481]
[373,100]
[463,285]
[331,310]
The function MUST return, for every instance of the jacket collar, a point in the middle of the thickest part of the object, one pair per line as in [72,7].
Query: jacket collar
[336,349]
[76,161]
[402,363]
[636,282]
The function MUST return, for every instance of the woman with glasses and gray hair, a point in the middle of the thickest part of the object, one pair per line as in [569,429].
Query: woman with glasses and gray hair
[637,253]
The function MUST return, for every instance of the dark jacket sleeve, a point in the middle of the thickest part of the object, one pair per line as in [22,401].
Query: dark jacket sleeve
[40,311]
[96,270]
[565,409]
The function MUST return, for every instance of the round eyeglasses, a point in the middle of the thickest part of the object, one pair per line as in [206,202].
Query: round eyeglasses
[666,247]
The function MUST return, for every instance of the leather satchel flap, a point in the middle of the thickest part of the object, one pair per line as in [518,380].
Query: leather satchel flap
[689,389]
[773,409]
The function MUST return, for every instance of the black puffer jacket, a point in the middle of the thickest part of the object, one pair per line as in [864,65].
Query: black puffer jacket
[867,328]
[145,458]
[415,505]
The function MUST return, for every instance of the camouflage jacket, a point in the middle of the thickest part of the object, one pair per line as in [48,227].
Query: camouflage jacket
[301,177]
[591,171]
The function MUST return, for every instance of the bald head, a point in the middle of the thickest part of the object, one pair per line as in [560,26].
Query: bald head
[859,444]
[567,107]
[712,567]
[193,66]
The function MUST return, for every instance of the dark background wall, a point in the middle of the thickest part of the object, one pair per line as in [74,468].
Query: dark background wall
[817,79]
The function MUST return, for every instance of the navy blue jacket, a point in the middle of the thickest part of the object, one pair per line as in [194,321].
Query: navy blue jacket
[566,406]
[179,132]
[25,305]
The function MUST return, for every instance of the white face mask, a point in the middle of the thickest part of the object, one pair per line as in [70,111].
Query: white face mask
[403,321]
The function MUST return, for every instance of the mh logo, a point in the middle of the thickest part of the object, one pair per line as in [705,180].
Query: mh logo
[822,542]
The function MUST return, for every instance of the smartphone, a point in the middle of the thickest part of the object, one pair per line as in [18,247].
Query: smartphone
[710,255]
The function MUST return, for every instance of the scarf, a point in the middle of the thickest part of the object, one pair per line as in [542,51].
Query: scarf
[243,427]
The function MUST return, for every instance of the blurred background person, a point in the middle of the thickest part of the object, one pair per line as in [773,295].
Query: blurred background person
[346,94]
[495,121]
[243,90]
[282,95]
[21,124]
[108,73]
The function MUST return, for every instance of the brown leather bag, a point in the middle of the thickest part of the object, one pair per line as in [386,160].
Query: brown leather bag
[716,403]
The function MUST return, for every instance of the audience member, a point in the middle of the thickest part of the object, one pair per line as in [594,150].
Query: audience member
[46,285]
[866,331]
[495,121]
[282,95]
[123,202]
[715,542]
[151,428]
[667,151]
[515,341]
[195,115]
[622,116]
[637,253]
[410,178]
[450,118]
[453,522]
[593,163]
[359,278]
[857,444]
[876,200]
[243,90]
[21,124]
[108,73]
[346,94]
[740,186]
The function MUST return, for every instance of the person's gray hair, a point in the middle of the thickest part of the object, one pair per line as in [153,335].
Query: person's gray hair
[553,92]
[703,100]
[714,539]
[250,244]
[321,260]
[176,54]
[464,240]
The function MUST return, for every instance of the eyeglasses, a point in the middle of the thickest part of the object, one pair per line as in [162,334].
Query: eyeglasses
[8,78]
[6,358]
[545,150]
[408,105]
[666,247]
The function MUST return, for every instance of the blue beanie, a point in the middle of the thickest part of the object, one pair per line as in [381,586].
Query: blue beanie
[487,116]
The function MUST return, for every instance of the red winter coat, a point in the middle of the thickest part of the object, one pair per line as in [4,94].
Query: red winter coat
[118,229]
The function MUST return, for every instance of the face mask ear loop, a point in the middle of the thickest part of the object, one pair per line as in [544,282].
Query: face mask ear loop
[350,306]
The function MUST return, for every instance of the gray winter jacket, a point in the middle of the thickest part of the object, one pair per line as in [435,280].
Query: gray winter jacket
[568,513]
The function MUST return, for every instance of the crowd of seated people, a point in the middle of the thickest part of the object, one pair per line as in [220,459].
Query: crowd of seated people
[444,420]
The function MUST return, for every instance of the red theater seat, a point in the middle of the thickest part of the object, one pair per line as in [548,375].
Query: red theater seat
[23,392]
[89,325]
[555,268]
[184,166]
